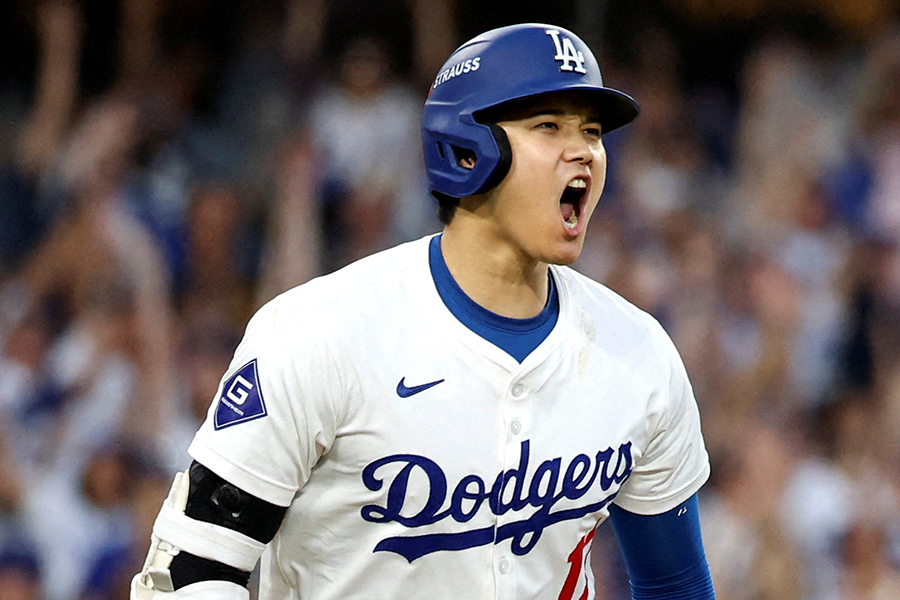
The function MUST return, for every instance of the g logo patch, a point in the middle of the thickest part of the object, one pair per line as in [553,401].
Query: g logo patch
[239,390]
[241,399]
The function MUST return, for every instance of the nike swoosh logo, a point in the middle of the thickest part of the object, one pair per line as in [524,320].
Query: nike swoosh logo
[406,392]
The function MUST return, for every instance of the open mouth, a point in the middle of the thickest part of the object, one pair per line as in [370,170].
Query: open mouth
[572,201]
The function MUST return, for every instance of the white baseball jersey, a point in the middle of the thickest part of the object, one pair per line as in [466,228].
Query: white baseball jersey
[418,460]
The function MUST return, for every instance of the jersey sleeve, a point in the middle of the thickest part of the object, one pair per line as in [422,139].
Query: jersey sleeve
[274,412]
[674,464]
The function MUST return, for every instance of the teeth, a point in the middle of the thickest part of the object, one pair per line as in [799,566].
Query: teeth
[572,221]
[577,184]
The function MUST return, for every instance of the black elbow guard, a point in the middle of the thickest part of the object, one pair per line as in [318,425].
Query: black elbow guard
[213,500]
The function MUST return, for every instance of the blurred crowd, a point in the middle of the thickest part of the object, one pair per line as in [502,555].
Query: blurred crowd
[160,183]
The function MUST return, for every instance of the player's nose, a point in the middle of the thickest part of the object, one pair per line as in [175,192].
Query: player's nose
[578,148]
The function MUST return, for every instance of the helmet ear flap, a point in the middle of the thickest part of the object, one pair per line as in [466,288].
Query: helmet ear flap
[503,164]
[465,165]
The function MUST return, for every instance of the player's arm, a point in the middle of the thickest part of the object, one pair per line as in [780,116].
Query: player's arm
[664,553]
[206,540]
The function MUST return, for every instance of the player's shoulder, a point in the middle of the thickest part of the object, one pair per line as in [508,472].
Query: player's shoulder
[604,306]
[362,287]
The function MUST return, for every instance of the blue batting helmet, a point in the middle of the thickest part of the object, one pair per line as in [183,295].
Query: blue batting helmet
[496,67]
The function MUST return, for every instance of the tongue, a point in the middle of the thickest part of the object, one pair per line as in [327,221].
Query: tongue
[567,210]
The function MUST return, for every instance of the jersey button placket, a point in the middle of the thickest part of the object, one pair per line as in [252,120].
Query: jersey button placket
[518,393]
[506,580]
[516,413]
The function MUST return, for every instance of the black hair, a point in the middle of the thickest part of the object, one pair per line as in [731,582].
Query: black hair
[446,207]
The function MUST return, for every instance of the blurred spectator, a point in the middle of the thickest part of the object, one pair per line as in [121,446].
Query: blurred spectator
[293,252]
[19,575]
[749,554]
[216,277]
[365,131]
[815,249]
[792,126]
[206,344]
[25,212]
[880,124]
[844,481]
[867,572]
[107,274]
[664,165]
[75,518]
[110,575]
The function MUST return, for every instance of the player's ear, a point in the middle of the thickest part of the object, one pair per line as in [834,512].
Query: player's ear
[465,158]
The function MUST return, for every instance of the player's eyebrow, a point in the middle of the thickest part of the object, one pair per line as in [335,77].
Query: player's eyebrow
[528,108]
[555,111]
[544,112]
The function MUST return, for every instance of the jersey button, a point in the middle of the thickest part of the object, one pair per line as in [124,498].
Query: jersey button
[504,566]
[515,427]
[518,390]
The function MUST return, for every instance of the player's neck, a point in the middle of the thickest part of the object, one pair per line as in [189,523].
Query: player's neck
[493,274]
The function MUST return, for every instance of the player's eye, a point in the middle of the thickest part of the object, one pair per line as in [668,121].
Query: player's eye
[592,132]
[547,125]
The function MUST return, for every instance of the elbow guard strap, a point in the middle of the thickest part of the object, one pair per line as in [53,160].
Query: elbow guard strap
[207,540]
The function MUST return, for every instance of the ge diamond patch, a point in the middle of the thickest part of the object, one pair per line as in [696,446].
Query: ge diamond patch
[241,399]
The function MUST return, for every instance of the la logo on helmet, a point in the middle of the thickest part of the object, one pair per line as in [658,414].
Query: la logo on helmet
[566,53]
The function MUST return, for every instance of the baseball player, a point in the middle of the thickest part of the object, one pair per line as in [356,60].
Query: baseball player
[454,417]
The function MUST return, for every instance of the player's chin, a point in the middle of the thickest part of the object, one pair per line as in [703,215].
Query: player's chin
[566,252]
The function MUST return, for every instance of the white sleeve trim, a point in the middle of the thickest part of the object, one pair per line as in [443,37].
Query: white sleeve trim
[658,506]
[265,489]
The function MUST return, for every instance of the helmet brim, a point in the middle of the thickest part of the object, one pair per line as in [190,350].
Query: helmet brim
[615,109]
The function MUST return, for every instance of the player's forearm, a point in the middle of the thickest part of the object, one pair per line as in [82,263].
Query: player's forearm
[694,584]
[664,553]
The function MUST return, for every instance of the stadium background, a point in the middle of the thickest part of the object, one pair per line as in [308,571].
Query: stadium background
[167,166]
